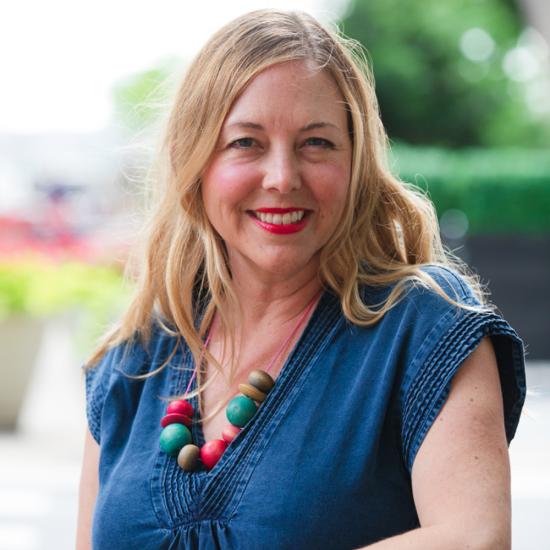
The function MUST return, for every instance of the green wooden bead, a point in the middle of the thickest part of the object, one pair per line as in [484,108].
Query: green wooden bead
[173,438]
[240,410]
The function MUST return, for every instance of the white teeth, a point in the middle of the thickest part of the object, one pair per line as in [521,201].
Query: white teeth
[280,219]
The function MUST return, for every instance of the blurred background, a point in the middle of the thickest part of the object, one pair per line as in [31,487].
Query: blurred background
[464,91]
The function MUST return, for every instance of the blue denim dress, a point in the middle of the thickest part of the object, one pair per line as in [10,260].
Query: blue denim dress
[326,461]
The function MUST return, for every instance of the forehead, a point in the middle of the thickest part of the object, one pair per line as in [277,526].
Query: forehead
[289,91]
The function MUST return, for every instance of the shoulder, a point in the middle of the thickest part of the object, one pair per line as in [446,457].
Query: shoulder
[416,300]
[441,337]
[121,371]
[454,284]
[432,335]
[135,355]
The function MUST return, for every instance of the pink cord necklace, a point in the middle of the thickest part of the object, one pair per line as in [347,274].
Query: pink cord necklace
[176,439]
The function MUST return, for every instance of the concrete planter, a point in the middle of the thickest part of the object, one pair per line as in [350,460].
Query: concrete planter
[20,338]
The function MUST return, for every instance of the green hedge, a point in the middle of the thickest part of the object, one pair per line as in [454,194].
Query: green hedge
[500,191]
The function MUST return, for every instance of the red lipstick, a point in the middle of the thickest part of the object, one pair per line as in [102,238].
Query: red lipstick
[280,229]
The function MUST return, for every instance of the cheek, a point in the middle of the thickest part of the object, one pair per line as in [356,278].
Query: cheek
[227,184]
[332,184]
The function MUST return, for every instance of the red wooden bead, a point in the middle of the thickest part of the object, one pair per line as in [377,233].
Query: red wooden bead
[175,418]
[212,451]
[180,406]
[230,432]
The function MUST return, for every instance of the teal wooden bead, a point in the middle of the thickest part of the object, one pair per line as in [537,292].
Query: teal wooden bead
[240,410]
[173,438]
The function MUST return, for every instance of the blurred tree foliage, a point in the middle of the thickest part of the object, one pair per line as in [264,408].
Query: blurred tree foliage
[429,91]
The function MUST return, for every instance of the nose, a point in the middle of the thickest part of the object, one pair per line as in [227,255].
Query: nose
[281,170]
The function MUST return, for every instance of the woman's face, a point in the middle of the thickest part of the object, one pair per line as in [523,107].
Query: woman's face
[276,185]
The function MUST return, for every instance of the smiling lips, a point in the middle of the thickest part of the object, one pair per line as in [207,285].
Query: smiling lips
[281,221]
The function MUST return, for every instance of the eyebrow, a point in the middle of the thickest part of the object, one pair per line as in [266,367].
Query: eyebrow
[306,128]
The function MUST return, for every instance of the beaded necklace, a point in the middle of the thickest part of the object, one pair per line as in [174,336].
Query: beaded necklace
[176,439]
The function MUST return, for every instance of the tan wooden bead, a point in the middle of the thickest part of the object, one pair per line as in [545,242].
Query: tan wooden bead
[252,392]
[188,457]
[261,380]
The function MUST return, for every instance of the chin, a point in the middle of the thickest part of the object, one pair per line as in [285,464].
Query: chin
[288,265]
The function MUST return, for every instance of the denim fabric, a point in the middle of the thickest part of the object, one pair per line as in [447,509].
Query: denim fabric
[326,461]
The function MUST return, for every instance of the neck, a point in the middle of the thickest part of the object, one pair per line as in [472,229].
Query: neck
[273,299]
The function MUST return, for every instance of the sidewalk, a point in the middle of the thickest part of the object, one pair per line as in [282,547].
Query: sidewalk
[530,462]
[40,466]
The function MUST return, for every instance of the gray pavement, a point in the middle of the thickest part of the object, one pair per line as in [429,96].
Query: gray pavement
[40,464]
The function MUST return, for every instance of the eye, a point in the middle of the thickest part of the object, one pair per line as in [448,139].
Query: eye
[243,143]
[319,142]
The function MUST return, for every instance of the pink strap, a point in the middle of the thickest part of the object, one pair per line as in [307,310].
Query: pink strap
[294,331]
[279,352]
[206,342]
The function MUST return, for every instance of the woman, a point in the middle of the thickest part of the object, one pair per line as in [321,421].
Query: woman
[281,242]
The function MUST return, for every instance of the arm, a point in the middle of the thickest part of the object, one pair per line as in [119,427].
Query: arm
[89,484]
[461,473]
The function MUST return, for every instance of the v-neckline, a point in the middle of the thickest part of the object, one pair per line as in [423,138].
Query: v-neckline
[181,497]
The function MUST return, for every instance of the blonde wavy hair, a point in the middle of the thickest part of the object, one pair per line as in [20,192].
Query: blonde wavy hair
[388,230]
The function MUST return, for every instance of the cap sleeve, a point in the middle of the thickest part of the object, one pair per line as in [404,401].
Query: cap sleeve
[123,359]
[97,381]
[452,336]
